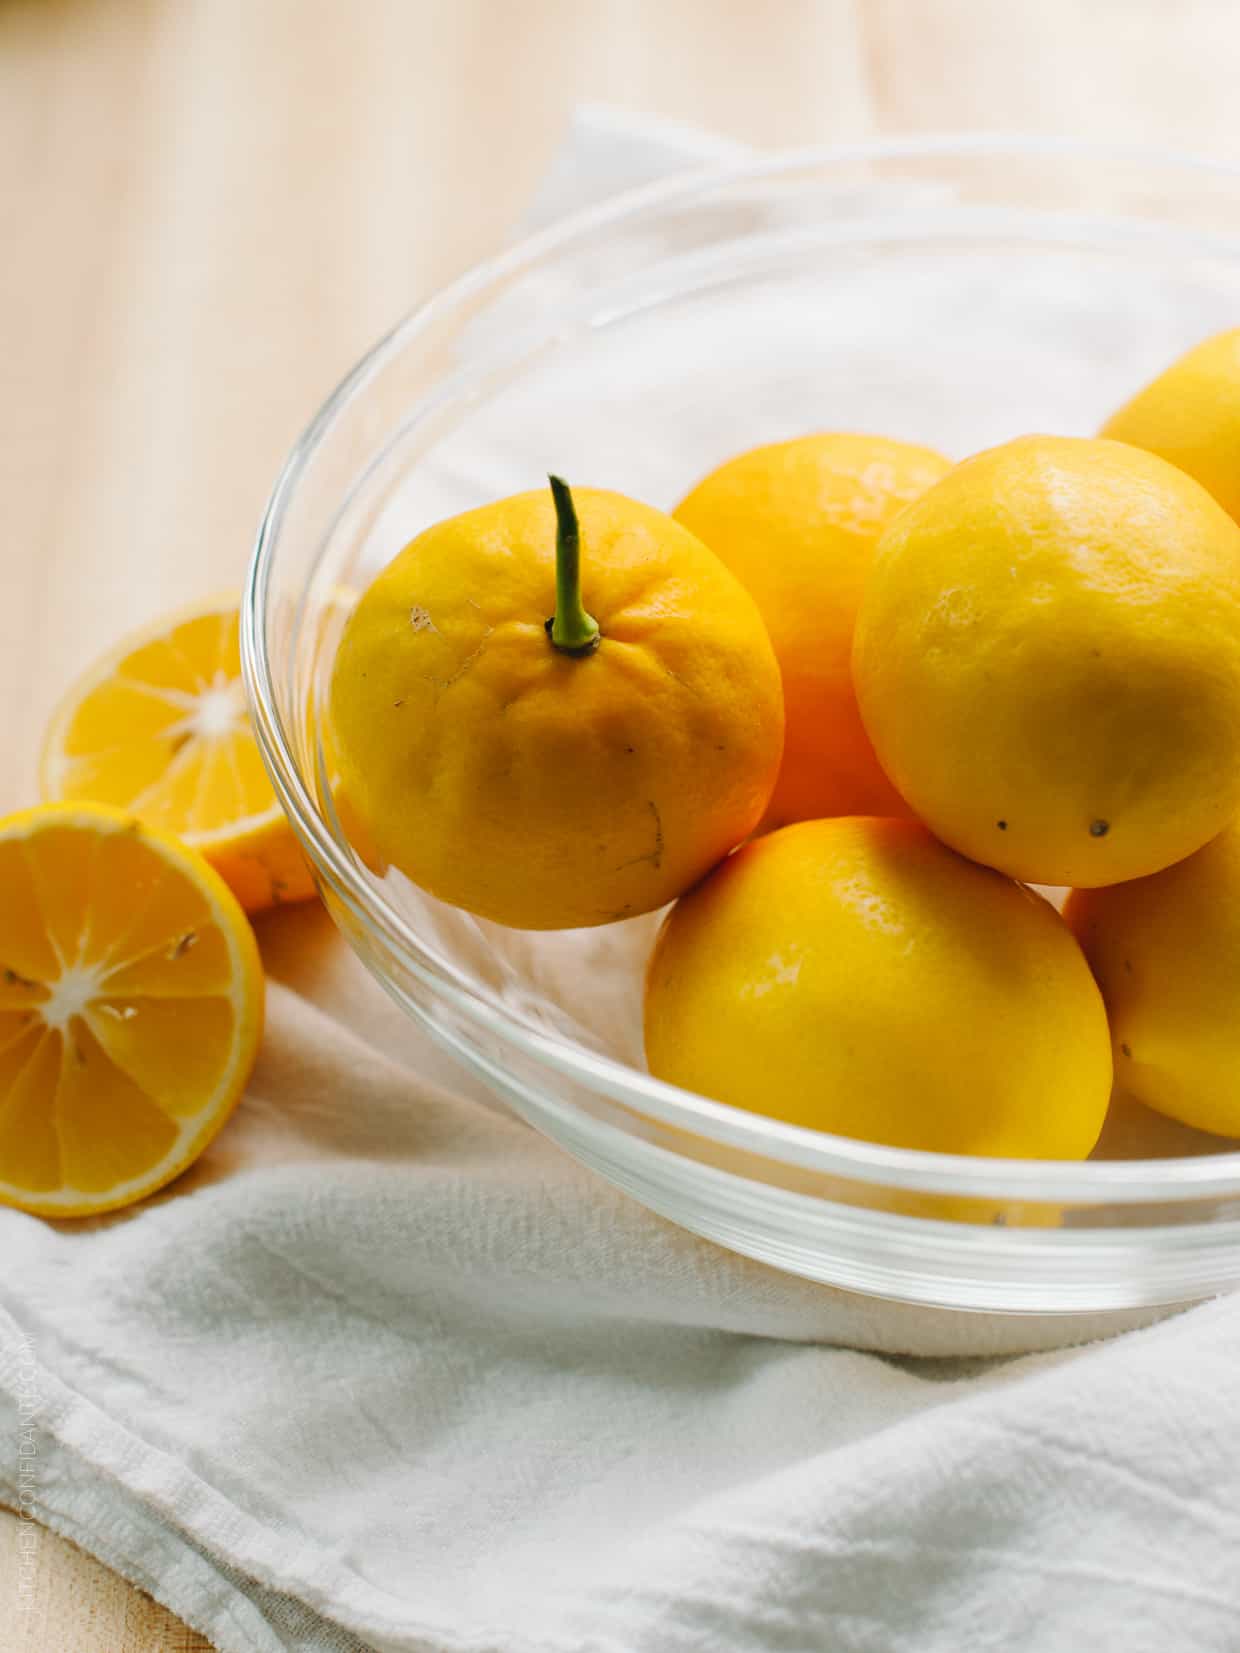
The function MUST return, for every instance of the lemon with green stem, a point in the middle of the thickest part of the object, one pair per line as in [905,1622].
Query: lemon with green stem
[562,772]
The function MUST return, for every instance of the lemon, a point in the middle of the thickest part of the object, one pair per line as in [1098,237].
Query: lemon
[1047,660]
[1190,415]
[159,727]
[1166,953]
[797,522]
[131,1004]
[856,976]
[538,764]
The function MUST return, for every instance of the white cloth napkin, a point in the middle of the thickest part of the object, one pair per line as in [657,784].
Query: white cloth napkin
[387,1371]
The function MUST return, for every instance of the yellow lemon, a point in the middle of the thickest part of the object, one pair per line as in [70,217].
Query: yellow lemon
[1047,660]
[159,727]
[1166,953]
[1190,415]
[131,1004]
[856,976]
[538,764]
[797,522]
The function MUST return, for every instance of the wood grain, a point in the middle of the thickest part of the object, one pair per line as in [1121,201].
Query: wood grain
[211,207]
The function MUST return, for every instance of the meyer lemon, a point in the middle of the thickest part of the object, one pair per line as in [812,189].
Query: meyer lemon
[131,1004]
[159,727]
[1047,660]
[797,522]
[1190,415]
[551,773]
[1166,954]
[856,976]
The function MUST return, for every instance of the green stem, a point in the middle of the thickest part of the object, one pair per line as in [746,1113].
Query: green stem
[570,628]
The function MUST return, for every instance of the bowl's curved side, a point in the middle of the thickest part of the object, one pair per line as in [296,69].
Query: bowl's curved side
[1139,1231]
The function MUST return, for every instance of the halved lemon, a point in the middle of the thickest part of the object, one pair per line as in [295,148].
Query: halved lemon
[160,728]
[131,1005]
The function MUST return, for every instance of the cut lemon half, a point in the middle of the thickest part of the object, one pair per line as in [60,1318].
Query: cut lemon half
[131,1004]
[160,728]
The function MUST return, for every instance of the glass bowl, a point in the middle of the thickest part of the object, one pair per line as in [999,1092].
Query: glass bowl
[952,292]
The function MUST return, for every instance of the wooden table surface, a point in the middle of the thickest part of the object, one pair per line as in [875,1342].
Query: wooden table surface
[213,206]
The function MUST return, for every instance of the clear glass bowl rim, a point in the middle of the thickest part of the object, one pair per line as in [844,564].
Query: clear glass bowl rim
[1123,1182]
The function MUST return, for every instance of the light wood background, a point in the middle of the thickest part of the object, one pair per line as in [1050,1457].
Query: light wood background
[209,208]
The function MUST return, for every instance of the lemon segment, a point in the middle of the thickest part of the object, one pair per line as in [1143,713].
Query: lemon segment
[131,1005]
[160,728]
